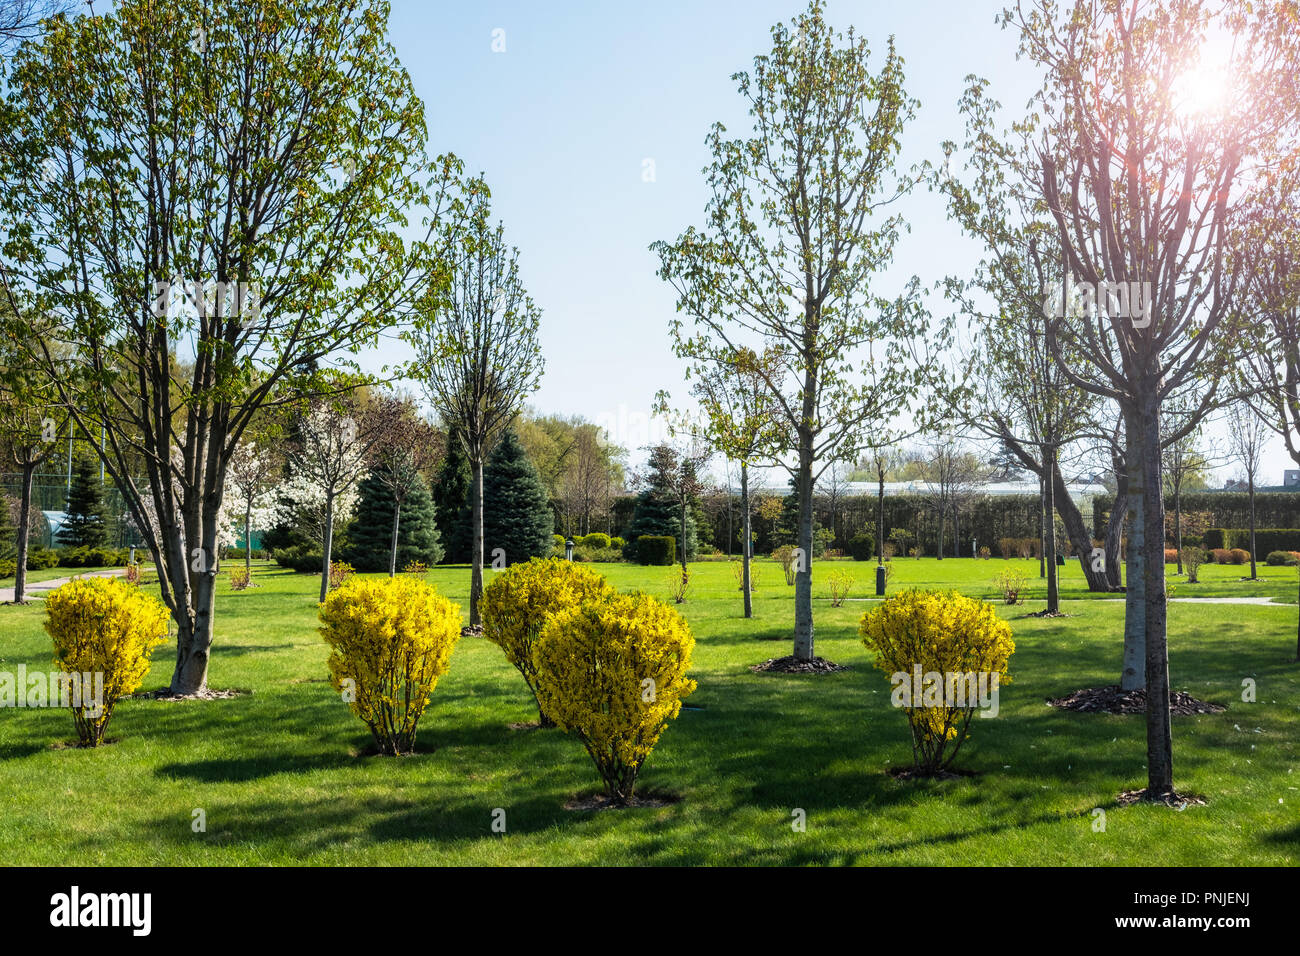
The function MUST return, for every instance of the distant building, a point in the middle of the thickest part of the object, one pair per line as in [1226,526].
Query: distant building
[1291,478]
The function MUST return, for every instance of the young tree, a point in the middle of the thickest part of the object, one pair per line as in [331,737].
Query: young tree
[403,449]
[29,428]
[331,455]
[210,193]
[254,472]
[1139,190]
[479,356]
[740,422]
[1247,435]
[793,241]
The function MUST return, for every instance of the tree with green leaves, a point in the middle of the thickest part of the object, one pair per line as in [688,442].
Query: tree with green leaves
[1138,185]
[740,422]
[517,516]
[210,194]
[795,237]
[478,354]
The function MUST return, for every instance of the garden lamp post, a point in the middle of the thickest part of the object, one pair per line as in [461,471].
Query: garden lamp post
[568,549]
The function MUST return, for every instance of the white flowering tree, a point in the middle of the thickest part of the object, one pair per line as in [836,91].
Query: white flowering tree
[251,478]
[329,458]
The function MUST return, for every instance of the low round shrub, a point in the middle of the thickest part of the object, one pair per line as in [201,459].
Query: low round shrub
[1238,556]
[390,640]
[8,568]
[105,630]
[953,651]
[298,558]
[862,546]
[597,539]
[617,542]
[613,672]
[520,600]
[1281,559]
[1220,555]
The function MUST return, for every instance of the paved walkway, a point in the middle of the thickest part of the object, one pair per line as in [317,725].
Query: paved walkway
[37,590]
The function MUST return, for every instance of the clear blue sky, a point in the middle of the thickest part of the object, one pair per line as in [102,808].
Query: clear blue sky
[564,119]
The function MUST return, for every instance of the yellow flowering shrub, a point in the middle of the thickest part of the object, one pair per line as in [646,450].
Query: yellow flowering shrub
[613,672]
[390,640]
[520,599]
[949,650]
[105,630]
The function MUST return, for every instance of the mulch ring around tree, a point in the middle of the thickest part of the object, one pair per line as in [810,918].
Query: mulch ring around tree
[651,799]
[1179,801]
[792,665]
[916,773]
[473,630]
[167,696]
[1046,613]
[1112,700]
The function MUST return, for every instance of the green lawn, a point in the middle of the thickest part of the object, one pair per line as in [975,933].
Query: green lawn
[280,777]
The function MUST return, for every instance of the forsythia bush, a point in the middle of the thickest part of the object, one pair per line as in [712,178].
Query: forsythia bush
[390,640]
[614,673]
[519,600]
[942,633]
[104,626]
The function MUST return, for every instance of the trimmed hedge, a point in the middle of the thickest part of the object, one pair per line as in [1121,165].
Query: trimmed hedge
[1282,559]
[656,549]
[597,539]
[299,559]
[1266,539]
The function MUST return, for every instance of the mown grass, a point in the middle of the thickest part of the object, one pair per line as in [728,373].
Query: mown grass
[282,778]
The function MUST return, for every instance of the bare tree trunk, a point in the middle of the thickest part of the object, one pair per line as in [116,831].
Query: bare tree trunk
[1078,534]
[327,548]
[1178,524]
[683,504]
[803,616]
[1049,520]
[194,638]
[1250,478]
[392,548]
[1042,533]
[24,531]
[880,517]
[476,559]
[745,539]
[1133,674]
[1160,761]
[248,538]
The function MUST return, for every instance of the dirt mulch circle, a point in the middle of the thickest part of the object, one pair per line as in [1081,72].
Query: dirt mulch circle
[1046,613]
[647,801]
[475,630]
[1112,700]
[912,773]
[1179,801]
[210,694]
[792,665]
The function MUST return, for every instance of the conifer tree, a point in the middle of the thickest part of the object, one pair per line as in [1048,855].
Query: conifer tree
[85,525]
[517,516]
[370,539]
[451,499]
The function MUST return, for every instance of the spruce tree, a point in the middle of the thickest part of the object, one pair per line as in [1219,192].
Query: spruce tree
[451,499]
[517,514]
[371,537]
[85,525]
[656,511]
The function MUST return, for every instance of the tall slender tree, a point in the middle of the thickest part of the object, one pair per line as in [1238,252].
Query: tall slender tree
[478,353]
[795,237]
